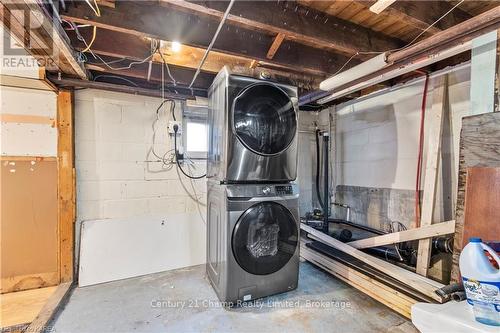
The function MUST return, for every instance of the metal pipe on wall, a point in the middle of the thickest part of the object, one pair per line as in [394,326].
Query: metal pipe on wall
[442,45]
[326,190]
[207,51]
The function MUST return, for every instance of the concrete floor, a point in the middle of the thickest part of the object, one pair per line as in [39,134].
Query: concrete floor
[132,306]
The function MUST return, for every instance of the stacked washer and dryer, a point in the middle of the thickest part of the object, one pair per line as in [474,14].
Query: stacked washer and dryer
[252,205]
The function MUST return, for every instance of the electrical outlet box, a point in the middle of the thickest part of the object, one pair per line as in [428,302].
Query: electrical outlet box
[171,124]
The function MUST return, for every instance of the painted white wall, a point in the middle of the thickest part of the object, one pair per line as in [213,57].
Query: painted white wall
[118,180]
[377,136]
[23,139]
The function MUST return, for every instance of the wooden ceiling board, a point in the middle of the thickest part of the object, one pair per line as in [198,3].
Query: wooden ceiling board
[384,24]
[349,11]
[394,28]
[336,7]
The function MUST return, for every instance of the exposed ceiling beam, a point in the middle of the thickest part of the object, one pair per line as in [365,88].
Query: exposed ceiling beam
[182,75]
[146,19]
[47,42]
[421,14]
[71,82]
[302,24]
[110,44]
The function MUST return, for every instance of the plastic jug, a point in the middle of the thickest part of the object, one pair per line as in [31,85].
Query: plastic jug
[481,281]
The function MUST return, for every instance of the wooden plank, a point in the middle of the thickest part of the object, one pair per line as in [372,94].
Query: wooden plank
[28,216]
[23,82]
[435,119]
[42,320]
[415,281]
[166,23]
[22,307]
[378,291]
[314,28]
[479,147]
[27,119]
[27,158]
[18,283]
[66,184]
[70,82]
[275,45]
[482,196]
[428,231]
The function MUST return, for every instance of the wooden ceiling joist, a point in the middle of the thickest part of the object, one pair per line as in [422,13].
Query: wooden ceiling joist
[108,45]
[147,19]
[182,75]
[48,43]
[302,24]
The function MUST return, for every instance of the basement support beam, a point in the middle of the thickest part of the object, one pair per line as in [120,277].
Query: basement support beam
[69,82]
[66,212]
[302,24]
[168,24]
[438,229]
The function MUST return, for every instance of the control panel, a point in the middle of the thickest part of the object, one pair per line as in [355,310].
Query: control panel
[284,190]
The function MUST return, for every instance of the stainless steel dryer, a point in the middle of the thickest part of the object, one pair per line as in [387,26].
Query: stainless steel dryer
[252,240]
[252,130]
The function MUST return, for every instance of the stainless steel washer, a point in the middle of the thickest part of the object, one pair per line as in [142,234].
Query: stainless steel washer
[252,130]
[252,240]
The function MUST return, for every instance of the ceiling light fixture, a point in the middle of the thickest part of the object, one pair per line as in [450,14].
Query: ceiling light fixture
[379,6]
[176,46]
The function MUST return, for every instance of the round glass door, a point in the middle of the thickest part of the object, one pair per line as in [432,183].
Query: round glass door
[264,238]
[264,119]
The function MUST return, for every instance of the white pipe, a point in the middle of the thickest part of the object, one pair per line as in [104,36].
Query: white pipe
[368,67]
[207,51]
[406,68]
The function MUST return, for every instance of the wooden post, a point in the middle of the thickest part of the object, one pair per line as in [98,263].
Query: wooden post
[66,184]
[435,117]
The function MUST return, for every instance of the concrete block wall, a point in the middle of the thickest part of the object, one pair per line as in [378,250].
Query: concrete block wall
[376,147]
[117,175]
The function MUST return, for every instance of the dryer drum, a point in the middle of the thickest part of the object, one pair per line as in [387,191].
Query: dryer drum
[264,119]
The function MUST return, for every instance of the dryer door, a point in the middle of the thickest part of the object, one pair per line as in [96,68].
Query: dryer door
[264,119]
[265,238]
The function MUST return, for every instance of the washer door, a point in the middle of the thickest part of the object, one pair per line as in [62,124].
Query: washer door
[264,238]
[264,119]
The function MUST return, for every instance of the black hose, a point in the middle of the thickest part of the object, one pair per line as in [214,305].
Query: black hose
[450,289]
[318,192]
[459,296]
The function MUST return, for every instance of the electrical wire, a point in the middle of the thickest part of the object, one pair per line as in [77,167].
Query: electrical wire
[212,42]
[97,12]
[177,158]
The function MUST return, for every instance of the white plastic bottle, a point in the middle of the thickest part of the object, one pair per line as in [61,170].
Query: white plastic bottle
[481,281]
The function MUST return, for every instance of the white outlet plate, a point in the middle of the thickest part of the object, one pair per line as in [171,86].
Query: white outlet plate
[171,124]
